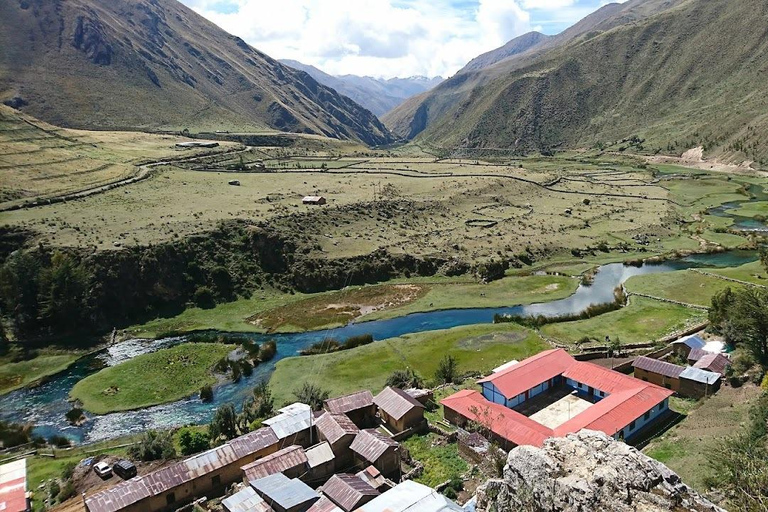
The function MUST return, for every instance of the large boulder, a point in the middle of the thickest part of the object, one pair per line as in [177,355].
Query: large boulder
[587,471]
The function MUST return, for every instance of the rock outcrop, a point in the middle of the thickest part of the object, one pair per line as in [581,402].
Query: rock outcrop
[587,471]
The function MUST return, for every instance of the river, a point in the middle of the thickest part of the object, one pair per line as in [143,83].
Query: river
[46,405]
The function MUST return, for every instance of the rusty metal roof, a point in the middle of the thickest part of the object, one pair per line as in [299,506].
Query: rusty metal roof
[372,476]
[141,487]
[324,505]
[283,460]
[348,403]
[670,370]
[246,500]
[713,362]
[696,353]
[396,402]
[334,426]
[371,444]
[348,491]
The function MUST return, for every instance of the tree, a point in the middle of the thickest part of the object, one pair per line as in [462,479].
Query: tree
[447,370]
[742,317]
[224,423]
[405,379]
[193,441]
[154,445]
[206,393]
[262,399]
[62,292]
[312,395]
[19,279]
[268,351]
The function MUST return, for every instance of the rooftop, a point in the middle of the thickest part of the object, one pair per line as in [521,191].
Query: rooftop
[410,496]
[282,460]
[246,501]
[292,419]
[713,362]
[324,505]
[287,493]
[348,491]
[670,370]
[13,486]
[334,426]
[396,402]
[693,341]
[371,444]
[351,402]
[319,454]
[699,375]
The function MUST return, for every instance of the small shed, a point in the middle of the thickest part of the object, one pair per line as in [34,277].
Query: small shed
[371,447]
[713,362]
[698,383]
[339,431]
[348,492]
[657,372]
[359,407]
[683,346]
[291,461]
[399,410]
[314,200]
[284,494]
[375,479]
[321,463]
[423,396]
[246,500]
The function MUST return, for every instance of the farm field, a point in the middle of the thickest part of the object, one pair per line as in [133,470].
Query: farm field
[685,448]
[687,286]
[641,321]
[150,379]
[478,348]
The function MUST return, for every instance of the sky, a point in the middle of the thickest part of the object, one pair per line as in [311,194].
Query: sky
[388,38]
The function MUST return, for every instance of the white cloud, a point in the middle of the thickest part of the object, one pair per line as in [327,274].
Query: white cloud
[382,38]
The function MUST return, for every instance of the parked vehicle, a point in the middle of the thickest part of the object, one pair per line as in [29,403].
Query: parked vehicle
[125,469]
[102,469]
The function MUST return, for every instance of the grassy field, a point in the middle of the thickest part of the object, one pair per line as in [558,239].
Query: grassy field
[751,273]
[686,447]
[150,379]
[476,348]
[683,286]
[23,373]
[643,320]
[441,460]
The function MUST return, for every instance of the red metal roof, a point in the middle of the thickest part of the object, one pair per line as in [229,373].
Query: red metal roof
[13,486]
[530,373]
[628,399]
[396,402]
[348,403]
[670,370]
[278,462]
[713,362]
[696,353]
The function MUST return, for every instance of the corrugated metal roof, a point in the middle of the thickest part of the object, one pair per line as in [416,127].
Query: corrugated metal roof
[505,366]
[713,362]
[351,402]
[410,496]
[504,422]
[670,370]
[324,505]
[13,486]
[372,476]
[319,454]
[371,444]
[699,375]
[396,402]
[696,353]
[287,493]
[253,442]
[348,491]
[291,420]
[246,500]
[530,372]
[692,341]
[282,460]
[334,426]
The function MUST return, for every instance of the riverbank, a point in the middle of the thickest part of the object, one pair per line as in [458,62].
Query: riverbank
[49,362]
[160,377]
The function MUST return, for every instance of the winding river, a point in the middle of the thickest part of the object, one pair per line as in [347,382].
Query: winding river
[46,405]
[740,222]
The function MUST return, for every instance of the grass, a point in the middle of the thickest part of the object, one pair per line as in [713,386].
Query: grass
[478,348]
[20,374]
[643,320]
[150,379]
[683,286]
[751,273]
[686,447]
[441,460]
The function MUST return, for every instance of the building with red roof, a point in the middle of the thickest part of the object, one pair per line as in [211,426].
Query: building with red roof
[604,400]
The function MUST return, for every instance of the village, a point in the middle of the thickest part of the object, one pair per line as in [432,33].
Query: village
[348,455]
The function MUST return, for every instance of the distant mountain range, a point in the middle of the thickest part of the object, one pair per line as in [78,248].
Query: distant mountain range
[377,95]
[156,64]
[676,73]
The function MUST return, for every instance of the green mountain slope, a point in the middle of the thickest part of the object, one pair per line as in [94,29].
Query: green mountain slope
[155,64]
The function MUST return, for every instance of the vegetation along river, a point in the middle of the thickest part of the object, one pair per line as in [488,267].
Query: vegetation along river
[46,405]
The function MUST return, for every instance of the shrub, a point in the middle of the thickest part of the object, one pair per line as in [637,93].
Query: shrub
[447,370]
[312,395]
[206,393]
[154,445]
[405,379]
[59,441]
[67,491]
[268,351]
[53,490]
[74,415]
[204,298]
[68,470]
[224,423]
[193,441]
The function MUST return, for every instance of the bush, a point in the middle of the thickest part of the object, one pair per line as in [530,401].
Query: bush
[224,423]
[268,351]
[447,370]
[68,470]
[14,434]
[154,445]
[53,490]
[206,393]
[405,379]
[74,415]
[59,441]
[67,491]
[192,442]
[204,298]
[312,395]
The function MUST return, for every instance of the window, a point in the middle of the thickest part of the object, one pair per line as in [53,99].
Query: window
[632,426]
[647,416]
[591,391]
[666,385]
[216,481]
[170,498]
[579,385]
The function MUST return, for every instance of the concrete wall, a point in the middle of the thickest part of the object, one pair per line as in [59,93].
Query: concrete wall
[658,379]
[694,389]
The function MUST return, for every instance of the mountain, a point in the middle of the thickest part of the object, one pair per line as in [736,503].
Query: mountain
[637,68]
[155,64]
[516,46]
[377,95]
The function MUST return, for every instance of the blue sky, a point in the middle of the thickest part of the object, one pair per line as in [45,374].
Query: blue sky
[387,38]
